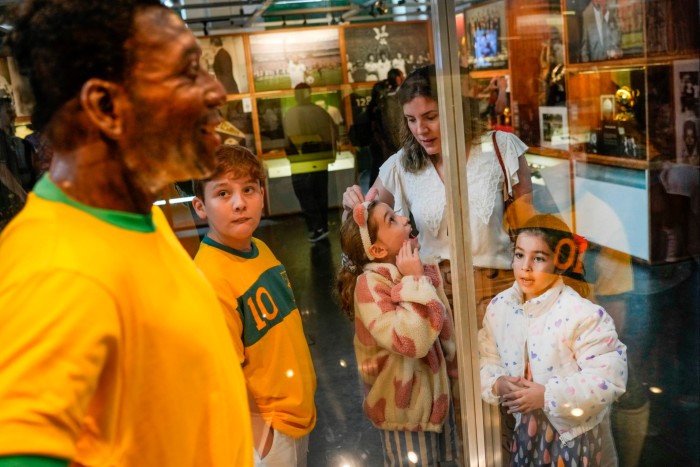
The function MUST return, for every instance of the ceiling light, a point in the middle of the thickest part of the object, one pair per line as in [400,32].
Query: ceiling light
[381,8]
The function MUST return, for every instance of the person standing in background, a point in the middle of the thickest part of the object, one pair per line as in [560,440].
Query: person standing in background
[114,346]
[309,129]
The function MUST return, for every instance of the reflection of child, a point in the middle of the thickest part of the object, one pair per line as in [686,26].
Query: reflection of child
[261,313]
[550,356]
[403,336]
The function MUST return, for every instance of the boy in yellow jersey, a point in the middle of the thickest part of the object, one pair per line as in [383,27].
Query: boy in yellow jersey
[261,313]
[113,347]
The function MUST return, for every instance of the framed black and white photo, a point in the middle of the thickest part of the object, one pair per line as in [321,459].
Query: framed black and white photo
[374,50]
[224,57]
[285,59]
[554,127]
[486,32]
[686,90]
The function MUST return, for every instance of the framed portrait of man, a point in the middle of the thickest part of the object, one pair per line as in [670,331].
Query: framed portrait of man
[600,30]
[224,57]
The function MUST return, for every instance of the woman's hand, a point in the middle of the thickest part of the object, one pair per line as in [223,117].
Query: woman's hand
[351,198]
[526,399]
[408,261]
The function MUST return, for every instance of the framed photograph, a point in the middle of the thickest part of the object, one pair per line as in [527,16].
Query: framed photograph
[620,35]
[486,33]
[686,86]
[283,60]
[374,50]
[13,84]
[224,57]
[607,107]
[554,127]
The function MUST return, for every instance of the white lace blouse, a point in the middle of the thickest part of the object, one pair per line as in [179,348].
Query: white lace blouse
[423,195]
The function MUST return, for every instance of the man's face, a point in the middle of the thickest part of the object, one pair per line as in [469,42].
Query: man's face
[171,104]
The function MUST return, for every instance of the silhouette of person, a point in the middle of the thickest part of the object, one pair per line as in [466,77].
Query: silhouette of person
[310,131]
[223,67]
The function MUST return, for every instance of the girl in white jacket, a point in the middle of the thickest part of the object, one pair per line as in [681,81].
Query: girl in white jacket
[549,355]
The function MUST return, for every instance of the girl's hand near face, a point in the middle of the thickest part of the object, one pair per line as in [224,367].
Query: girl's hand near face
[408,261]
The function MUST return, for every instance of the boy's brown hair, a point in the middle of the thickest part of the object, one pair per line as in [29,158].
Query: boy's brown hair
[234,159]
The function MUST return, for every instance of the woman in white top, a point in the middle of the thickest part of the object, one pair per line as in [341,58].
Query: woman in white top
[412,181]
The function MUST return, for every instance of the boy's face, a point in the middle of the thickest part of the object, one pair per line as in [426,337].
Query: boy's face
[233,207]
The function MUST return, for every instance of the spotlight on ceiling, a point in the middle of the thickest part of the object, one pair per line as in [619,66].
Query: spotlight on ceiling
[380,7]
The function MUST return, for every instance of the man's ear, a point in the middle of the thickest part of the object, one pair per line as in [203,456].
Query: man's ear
[103,103]
[198,205]
[262,192]
[378,251]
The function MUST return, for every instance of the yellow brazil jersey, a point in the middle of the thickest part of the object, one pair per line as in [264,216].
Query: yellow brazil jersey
[113,346]
[266,325]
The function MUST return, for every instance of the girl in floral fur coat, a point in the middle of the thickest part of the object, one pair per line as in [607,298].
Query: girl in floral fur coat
[404,336]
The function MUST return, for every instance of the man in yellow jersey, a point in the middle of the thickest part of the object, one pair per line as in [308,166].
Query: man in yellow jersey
[114,348]
[261,312]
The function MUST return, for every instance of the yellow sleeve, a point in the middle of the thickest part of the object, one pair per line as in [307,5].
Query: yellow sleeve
[58,332]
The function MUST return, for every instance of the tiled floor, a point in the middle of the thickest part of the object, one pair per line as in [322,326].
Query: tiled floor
[662,335]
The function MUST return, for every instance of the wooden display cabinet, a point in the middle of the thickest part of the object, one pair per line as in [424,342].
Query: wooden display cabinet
[615,114]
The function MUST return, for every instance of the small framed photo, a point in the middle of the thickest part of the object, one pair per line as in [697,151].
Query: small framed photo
[554,127]
[607,107]
[487,36]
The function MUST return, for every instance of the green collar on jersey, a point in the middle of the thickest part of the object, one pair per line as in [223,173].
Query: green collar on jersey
[48,190]
[253,253]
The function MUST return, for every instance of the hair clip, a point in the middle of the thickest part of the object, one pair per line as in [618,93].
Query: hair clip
[581,243]
[360,214]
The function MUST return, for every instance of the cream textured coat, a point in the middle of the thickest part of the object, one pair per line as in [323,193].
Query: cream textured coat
[404,344]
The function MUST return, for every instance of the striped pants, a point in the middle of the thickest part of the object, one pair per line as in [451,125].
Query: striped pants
[422,448]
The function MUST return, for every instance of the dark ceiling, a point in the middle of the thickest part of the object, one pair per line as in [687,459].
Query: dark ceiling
[223,17]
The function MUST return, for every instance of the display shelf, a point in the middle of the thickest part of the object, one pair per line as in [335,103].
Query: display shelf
[613,161]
